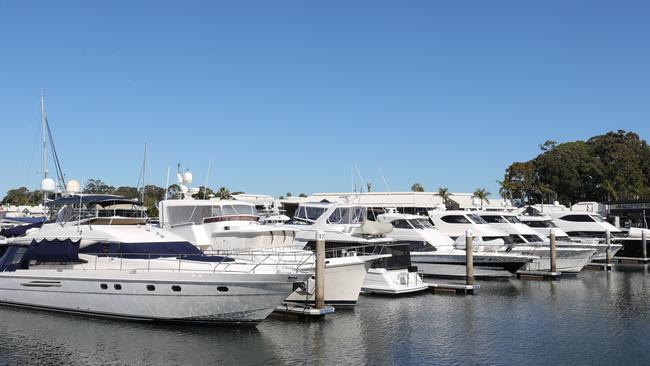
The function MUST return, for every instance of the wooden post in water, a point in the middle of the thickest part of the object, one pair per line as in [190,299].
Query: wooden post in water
[553,251]
[320,270]
[644,248]
[608,252]
[469,258]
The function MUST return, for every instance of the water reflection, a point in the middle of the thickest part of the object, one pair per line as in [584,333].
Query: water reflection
[596,317]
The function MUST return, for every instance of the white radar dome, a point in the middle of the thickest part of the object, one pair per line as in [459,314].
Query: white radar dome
[187,178]
[73,186]
[48,185]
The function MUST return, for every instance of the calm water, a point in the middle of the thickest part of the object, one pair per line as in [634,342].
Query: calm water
[595,318]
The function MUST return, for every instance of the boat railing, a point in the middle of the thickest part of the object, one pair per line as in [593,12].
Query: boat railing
[264,262]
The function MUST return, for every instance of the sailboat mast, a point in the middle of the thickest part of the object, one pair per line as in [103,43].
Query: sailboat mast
[43,134]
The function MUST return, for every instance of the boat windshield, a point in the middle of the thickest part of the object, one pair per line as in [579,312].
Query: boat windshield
[597,218]
[347,215]
[195,214]
[512,219]
[494,219]
[476,219]
[421,223]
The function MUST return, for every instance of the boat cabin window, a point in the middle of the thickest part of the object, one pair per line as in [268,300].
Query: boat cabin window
[578,218]
[512,219]
[494,219]
[477,219]
[455,219]
[401,224]
[348,215]
[422,223]
[542,223]
[532,238]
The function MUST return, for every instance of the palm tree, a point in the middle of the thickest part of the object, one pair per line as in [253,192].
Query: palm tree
[505,188]
[444,194]
[223,193]
[369,186]
[610,189]
[417,187]
[482,194]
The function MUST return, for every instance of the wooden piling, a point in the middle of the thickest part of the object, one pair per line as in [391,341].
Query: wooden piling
[320,270]
[469,258]
[553,251]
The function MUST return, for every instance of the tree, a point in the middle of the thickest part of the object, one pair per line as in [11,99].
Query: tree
[289,194]
[97,186]
[417,187]
[173,192]
[204,194]
[444,195]
[482,195]
[505,188]
[22,197]
[302,195]
[223,193]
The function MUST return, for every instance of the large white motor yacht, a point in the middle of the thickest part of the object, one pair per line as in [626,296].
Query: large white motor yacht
[114,267]
[437,254]
[347,230]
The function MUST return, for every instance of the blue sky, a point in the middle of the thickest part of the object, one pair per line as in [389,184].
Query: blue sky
[286,95]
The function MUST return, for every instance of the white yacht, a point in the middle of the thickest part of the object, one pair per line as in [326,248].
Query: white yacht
[348,231]
[232,228]
[437,254]
[584,226]
[544,224]
[570,259]
[103,266]
[455,223]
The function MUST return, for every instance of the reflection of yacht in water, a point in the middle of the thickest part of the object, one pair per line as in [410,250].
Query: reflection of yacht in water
[348,232]
[436,254]
[96,263]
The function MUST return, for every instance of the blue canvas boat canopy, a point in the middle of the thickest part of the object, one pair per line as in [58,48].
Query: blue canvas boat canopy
[19,230]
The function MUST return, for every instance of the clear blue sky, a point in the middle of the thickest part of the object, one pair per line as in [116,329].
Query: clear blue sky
[286,95]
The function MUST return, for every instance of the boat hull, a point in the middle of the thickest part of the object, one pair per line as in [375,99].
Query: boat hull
[392,282]
[453,265]
[233,298]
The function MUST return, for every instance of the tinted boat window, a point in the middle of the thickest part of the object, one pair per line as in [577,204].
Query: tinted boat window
[494,219]
[578,218]
[455,219]
[401,224]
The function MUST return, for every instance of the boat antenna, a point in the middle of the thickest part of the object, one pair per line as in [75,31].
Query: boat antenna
[167,185]
[384,179]
[141,177]
[207,176]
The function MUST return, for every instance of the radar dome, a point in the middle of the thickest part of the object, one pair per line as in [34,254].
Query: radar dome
[187,178]
[73,186]
[48,185]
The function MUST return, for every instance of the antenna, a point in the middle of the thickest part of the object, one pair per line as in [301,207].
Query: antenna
[167,185]
[384,179]
[207,176]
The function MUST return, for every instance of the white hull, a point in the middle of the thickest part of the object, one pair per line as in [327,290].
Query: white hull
[343,281]
[568,260]
[486,265]
[203,298]
[392,282]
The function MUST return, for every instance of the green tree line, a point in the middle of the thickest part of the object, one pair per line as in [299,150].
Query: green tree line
[613,166]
